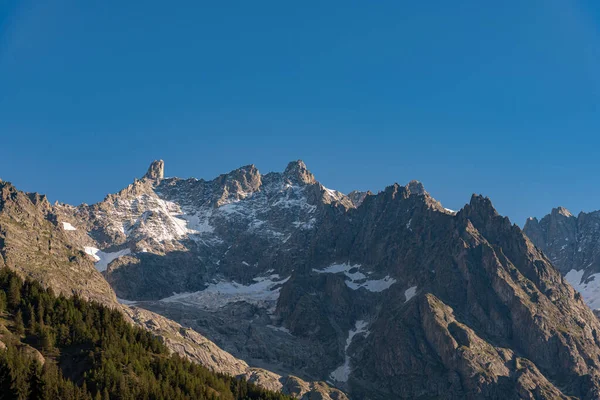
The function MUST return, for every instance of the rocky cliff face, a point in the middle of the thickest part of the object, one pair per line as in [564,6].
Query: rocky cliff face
[34,243]
[573,245]
[384,295]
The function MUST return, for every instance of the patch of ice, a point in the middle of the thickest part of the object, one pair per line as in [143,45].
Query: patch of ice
[590,290]
[92,252]
[198,223]
[342,373]
[450,211]
[68,227]
[102,259]
[280,329]
[126,302]
[336,268]
[264,292]
[373,286]
[357,279]
[410,293]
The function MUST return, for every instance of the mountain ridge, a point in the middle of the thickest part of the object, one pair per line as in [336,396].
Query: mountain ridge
[385,295]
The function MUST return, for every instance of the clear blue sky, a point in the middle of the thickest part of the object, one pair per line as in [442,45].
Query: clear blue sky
[500,98]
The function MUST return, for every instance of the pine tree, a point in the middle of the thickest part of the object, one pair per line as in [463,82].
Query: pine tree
[19,327]
[40,315]
[14,292]
[31,326]
[2,302]
[36,384]
[6,387]
[47,339]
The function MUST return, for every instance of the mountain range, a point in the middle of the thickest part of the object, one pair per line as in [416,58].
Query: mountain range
[300,288]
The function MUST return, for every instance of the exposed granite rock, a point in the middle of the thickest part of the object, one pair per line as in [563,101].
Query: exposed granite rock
[573,245]
[35,244]
[357,197]
[156,172]
[559,235]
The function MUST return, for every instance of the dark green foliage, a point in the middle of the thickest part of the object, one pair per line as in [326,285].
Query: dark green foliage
[19,327]
[2,302]
[93,353]
[14,291]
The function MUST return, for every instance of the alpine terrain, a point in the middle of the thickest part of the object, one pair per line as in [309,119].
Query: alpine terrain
[383,296]
[573,245]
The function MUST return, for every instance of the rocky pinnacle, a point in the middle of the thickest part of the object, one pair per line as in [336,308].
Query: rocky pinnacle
[156,171]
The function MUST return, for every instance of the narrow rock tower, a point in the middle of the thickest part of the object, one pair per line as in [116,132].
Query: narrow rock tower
[156,171]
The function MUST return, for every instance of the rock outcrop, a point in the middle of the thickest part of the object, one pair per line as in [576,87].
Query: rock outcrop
[156,172]
[573,245]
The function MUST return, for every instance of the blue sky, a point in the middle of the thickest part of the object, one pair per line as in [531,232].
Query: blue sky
[499,98]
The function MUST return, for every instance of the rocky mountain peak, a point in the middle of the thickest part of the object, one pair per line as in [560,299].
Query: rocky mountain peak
[482,205]
[481,213]
[561,211]
[297,172]
[156,171]
[247,175]
[416,187]
[357,197]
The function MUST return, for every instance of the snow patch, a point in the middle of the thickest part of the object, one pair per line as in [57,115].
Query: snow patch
[92,252]
[357,279]
[410,293]
[68,227]
[342,373]
[590,290]
[126,302]
[280,329]
[102,259]
[374,285]
[264,292]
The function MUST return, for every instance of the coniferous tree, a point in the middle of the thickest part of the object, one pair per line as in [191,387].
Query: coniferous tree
[6,387]
[36,383]
[19,327]
[14,291]
[2,302]
[31,326]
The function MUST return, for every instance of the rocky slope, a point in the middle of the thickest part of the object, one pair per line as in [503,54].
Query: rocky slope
[385,295]
[35,244]
[38,242]
[573,245]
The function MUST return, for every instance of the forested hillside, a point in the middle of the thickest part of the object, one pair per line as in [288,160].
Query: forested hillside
[53,347]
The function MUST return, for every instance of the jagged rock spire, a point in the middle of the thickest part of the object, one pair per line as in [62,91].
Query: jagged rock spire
[561,211]
[416,187]
[156,171]
[297,172]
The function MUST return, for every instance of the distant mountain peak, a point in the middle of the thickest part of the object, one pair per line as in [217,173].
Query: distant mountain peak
[416,187]
[156,171]
[297,172]
[562,211]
